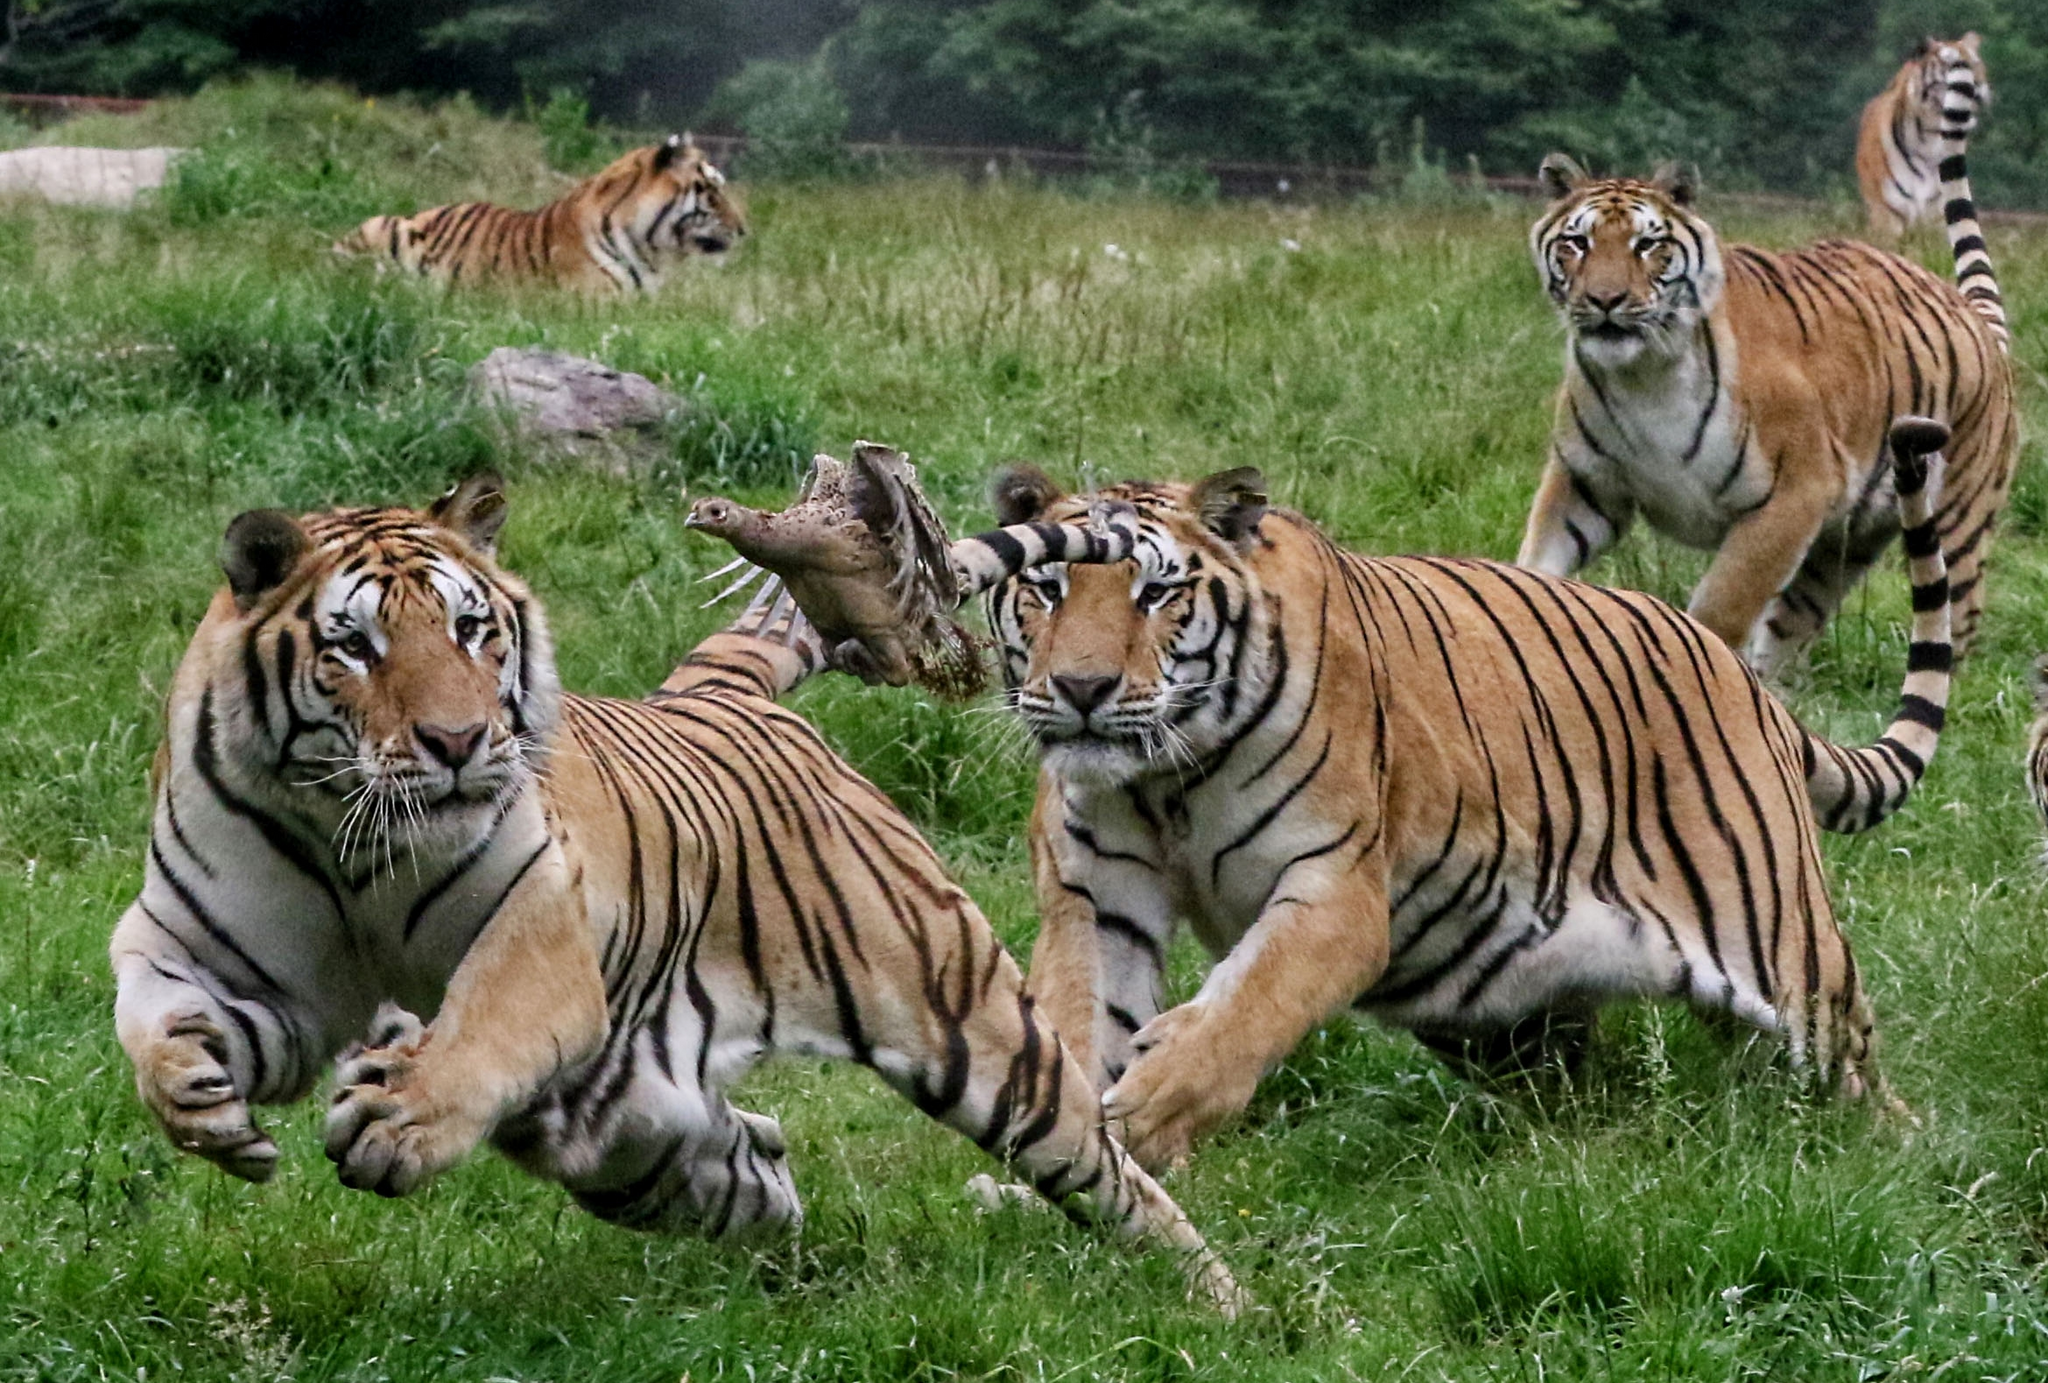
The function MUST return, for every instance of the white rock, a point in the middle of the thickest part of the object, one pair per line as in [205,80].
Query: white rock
[85,177]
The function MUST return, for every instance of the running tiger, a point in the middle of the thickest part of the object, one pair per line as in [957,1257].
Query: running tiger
[1738,399]
[374,800]
[1925,114]
[619,229]
[1459,796]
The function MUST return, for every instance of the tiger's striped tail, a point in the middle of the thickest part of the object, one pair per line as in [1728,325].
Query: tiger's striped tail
[986,559]
[1854,789]
[1959,209]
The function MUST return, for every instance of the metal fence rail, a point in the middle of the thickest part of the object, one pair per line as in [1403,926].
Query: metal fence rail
[1233,177]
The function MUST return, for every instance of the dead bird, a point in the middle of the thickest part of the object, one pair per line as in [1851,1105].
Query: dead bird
[867,562]
[865,559]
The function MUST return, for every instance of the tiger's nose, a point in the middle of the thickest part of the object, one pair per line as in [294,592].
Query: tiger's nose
[452,747]
[1084,694]
[1607,302]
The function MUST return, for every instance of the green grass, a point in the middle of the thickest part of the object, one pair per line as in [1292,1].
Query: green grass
[1684,1213]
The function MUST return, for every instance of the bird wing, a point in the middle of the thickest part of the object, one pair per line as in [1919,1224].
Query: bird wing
[824,479]
[892,504]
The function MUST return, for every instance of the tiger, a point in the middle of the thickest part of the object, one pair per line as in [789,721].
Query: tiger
[2037,742]
[1464,798]
[374,801]
[619,230]
[1911,126]
[1738,399]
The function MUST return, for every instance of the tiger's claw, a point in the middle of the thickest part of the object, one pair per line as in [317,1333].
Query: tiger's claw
[385,1131]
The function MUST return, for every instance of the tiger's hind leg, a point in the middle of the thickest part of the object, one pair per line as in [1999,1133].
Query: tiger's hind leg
[1973,494]
[1818,1008]
[1545,1046]
[643,1151]
[995,1070]
[1796,616]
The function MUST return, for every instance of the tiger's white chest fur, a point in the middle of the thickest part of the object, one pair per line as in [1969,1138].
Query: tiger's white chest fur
[1151,857]
[334,937]
[1912,186]
[1668,435]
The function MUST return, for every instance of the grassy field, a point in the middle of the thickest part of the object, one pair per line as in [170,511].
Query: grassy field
[1686,1214]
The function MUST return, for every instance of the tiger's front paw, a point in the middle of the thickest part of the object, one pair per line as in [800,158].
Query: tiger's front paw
[187,1085]
[1180,1088]
[387,1131]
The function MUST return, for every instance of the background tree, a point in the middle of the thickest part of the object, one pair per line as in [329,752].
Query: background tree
[1760,93]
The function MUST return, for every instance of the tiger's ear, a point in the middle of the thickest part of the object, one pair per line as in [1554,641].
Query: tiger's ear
[1021,492]
[666,151]
[475,510]
[1927,44]
[1678,181]
[1971,42]
[261,549]
[1230,503]
[1560,175]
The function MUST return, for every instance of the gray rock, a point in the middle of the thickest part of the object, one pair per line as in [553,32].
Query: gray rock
[587,409]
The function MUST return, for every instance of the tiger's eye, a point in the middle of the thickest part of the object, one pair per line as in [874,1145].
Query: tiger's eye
[358,646]
[467,629]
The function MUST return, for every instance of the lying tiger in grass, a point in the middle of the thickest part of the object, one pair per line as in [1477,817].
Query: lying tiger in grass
[1460,796]
[374,800]
[619,229]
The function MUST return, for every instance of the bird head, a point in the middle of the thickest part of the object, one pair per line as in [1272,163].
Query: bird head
[722,518]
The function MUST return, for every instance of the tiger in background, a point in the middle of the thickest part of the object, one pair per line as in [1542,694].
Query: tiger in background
[2037,742]
[375,801]
[620,229]
[1739,400]
[1468,799]
[1924,115]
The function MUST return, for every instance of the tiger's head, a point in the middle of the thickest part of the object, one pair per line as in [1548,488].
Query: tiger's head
[373,672]
[1631,266]
[670,199]
[1148,665]
[1943,67]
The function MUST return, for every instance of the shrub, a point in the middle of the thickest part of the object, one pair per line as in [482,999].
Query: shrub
[565,130]
[793,116]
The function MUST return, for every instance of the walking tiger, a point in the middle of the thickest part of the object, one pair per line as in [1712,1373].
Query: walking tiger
[1460,796]
[1739,400]
[1924,115]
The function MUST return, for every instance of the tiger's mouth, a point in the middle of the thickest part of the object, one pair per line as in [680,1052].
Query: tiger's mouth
[1113,743]
[410,786]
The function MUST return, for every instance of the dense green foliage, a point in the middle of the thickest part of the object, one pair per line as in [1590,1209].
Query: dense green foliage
[1685,1214]
[1761,93]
